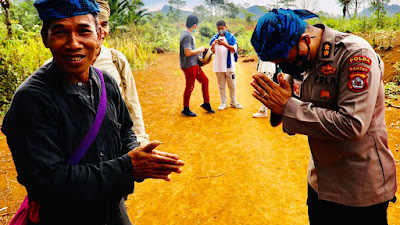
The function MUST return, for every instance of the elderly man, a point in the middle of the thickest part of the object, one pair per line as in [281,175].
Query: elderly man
[69,130]
[337,100]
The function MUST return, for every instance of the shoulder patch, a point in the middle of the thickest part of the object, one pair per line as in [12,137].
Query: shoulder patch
[328,69]
[360,58]
[361,69]
[326,50]
[358,82]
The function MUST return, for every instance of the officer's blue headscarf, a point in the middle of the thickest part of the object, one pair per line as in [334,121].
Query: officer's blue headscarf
[278,31]
[58,9]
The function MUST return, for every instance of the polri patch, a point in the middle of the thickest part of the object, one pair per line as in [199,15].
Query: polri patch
[360,58]
[325,94]
[358,82]
[297,87]
[361,69]
[326,50]
[328,69]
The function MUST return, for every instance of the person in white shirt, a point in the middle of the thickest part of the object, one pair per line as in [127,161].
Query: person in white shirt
[224,46]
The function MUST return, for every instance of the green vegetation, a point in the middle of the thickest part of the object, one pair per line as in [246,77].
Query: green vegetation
[136,33]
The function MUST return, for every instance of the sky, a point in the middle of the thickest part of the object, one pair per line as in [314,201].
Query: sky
[330,6]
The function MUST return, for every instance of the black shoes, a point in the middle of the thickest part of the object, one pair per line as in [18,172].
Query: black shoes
[207,107]
[187,112]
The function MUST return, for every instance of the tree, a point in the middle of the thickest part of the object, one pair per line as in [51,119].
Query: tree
[6,7]
[126,11]
[177,5]
[214,4]
[283,4]
[287,3]
[379,7]
[310,5]
[231,10]
[201,11]
[25,14]
[357,4]
[345,4]
[248,16]
[136,12]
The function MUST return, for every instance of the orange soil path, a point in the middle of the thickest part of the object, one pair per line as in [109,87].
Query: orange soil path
[239,170]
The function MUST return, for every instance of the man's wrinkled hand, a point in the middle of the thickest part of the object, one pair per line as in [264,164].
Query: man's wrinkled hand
[272,95]
[150,163]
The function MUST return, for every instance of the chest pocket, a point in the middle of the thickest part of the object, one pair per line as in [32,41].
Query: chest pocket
[324,95]
[325,85]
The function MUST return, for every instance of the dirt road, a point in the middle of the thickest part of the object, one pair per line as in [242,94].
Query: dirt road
[239,170]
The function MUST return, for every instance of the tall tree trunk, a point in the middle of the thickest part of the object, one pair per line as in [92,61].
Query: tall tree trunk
[344,11]
[6,6]
[355,8]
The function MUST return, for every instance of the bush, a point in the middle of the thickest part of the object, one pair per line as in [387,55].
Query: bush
[19,58]
[207,30]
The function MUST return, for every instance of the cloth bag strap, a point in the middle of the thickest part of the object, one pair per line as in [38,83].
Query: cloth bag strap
[83,147]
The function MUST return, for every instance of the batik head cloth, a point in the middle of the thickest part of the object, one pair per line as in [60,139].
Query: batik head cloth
[278,31]
[59,9]
[105,10]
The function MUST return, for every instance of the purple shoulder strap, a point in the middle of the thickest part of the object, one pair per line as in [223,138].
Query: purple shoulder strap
[81,150]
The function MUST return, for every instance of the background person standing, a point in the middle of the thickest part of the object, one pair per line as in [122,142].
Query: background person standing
[189,61]
[224,46]
[114,62]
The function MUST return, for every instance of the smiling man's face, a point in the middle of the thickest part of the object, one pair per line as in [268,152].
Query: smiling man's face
[73,42]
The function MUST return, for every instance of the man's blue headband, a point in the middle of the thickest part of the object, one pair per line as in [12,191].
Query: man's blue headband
[58,9]
[278,31]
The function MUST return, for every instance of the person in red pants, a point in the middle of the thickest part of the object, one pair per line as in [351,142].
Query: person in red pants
[189,61]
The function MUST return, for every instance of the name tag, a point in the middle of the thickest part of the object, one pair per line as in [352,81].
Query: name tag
[297,87]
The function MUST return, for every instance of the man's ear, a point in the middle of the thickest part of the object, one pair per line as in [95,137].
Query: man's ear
[306,38]
[45,38]
[100,33]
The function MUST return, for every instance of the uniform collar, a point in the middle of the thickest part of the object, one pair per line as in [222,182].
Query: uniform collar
[327,47]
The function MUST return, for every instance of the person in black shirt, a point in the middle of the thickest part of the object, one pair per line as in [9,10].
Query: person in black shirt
[53,110]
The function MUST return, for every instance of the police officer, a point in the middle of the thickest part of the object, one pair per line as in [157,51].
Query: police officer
[337,100]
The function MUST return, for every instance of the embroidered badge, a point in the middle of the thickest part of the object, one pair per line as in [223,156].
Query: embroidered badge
[361,69]
[326,50]
[358,82]
[297,87]
[325,94]
[360,58]
[328,69]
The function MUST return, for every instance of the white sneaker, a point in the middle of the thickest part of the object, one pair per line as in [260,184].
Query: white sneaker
[261,113]
[222,106]
[236,106]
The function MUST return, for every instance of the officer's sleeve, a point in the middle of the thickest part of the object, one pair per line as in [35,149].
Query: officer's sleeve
[359,82]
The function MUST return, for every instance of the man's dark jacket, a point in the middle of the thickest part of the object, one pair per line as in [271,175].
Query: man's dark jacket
[46,121]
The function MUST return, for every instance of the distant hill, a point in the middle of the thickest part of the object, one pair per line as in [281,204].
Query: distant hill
[165,9]
[258,12]
[390,9]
